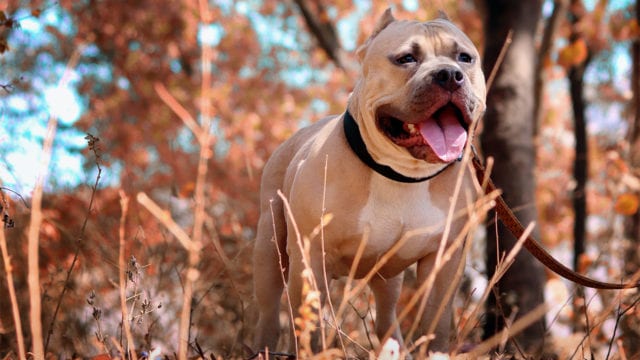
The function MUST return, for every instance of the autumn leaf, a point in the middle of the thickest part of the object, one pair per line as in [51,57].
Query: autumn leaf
[584,262]
[627,204]
[573,54]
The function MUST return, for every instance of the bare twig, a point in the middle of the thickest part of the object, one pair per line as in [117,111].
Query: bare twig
[324,219]
[93,146]
[2,188]
[34,225]
[282,270]
[604,314]
[177,108]
[619,315]
[165,218]
[323,30]
[130,348]
[496,66]
[518,326]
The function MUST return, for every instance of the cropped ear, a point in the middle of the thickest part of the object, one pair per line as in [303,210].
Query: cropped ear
[443,15]
[384,21]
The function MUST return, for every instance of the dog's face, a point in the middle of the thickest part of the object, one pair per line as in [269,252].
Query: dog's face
[422,87]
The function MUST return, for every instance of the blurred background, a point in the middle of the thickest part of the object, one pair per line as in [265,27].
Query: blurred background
[563,123]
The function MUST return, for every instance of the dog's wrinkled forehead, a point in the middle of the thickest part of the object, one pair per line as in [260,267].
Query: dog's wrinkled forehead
[433,38]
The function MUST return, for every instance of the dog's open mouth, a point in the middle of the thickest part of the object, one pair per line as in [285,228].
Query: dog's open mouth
[443,134]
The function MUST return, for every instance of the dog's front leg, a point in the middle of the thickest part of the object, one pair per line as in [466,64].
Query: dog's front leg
[445,279]
[386,293]
[269,263]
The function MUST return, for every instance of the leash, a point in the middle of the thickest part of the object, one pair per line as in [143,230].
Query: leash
[508,218]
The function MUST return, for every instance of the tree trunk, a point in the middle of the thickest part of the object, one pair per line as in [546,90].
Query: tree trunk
[508,138]
[630,324]
[580,162]
[632,224]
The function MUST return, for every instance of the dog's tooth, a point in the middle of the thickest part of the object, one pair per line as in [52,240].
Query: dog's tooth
[411,128]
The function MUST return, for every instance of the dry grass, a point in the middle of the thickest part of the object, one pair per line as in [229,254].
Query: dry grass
[219,316]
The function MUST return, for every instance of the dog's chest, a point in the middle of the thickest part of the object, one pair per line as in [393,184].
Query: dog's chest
[402,215]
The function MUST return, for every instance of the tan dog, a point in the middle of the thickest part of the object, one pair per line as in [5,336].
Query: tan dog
[391,165]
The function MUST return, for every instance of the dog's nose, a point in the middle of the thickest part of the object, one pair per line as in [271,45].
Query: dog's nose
[449,78]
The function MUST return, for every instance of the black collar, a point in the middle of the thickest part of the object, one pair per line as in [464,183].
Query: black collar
[358,146]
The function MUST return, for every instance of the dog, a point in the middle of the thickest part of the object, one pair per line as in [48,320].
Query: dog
[384,170]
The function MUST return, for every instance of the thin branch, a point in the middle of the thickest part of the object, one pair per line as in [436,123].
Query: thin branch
[130,348]
[619,315]
[36,221]
[323,31]
[67,281]
[2,188]
[500,59]
[177,108]
[165,218]
[521,324]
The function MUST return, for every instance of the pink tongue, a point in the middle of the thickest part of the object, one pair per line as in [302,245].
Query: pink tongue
[445,135]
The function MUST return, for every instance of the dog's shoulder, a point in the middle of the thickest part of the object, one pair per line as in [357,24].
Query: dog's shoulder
[303,136]
[297,145]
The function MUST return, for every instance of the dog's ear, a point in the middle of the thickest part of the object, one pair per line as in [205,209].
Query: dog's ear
[384,21]
[443,15]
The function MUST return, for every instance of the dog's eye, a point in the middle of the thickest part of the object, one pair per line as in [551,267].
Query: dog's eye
[465,58]
[406,59]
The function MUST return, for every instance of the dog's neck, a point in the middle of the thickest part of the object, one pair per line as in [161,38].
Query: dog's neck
[356,143]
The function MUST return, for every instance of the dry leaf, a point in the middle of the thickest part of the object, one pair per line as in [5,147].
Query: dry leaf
[573,54]
[627,204]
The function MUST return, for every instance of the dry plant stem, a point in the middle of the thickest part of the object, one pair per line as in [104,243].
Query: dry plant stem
[517,327]
[177,108]
[124,205]
[439,263]
[199,213]
[619,315]
[502,266]
[503,52]
[303,250]
[284,281]
[442,256]
[604,314]
[12,296]
[33,277]
[33,240]
[75,256]
[324,265]
[193,249]
[165,218]
[425,288]
[348,290]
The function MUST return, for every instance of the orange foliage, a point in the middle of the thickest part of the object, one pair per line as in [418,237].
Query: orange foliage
[573,54]
[627,204]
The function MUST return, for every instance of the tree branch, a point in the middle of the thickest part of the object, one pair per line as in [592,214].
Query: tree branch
[323,30]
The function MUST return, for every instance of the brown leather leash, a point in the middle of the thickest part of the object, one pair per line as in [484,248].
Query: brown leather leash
[508,218]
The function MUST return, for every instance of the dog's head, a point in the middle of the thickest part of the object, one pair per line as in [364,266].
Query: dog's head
[420,91]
